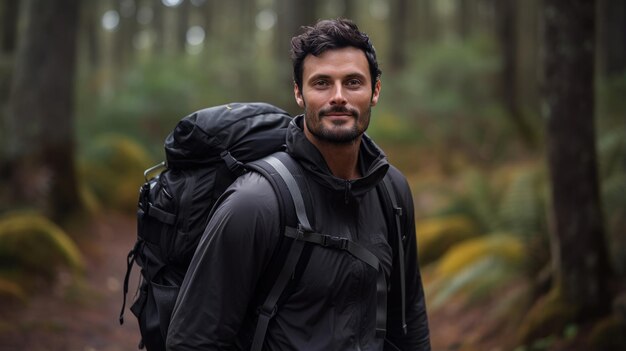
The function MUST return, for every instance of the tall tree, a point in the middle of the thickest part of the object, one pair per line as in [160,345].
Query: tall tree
[464,18]
[292,14]
[349,9]
[506,17]
[158,26]
[123,50]
[9,13]
[90,28]
[612,35]
[9,10]
[41,133]
[427,20]
[182,26]
[580,254]
[398,32]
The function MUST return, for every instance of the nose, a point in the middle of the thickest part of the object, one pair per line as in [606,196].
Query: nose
[338,97]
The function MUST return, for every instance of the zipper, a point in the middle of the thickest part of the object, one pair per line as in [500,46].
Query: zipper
[347,189]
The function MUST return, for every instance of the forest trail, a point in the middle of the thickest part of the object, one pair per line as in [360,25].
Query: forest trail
[67,318]
[84,318]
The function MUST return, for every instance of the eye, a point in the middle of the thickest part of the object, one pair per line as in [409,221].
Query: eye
[354,83]
[320,83]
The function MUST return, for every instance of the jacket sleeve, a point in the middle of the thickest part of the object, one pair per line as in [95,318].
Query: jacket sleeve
[231,256]
[417,336]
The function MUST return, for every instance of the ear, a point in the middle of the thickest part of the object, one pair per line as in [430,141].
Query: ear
[376,93]
[298,95]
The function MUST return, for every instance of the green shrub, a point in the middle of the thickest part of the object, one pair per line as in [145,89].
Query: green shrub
[476,266]
[504,247]
[112,167]
[438,234]
[549,317]
[32,244]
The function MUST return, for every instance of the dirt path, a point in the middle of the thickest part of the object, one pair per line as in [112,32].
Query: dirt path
[83,318]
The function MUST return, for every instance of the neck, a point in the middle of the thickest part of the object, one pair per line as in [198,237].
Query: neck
[342,159]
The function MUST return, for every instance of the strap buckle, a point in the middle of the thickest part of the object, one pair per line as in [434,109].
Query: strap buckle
[302,230]
[269,314]
[335,242]
[397,211]
[232,163]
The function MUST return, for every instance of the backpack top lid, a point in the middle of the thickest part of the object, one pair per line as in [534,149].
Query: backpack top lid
[247,130]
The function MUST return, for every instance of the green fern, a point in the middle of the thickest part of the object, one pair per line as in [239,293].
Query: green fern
[522,209]
[32,243]
[476,266]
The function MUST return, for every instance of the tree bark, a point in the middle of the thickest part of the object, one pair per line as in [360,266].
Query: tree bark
[579,249]
[41,142]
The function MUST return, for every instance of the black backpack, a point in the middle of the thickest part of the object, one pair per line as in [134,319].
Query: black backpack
[205,153]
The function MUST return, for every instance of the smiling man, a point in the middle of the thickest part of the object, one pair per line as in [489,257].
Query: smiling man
[334,302]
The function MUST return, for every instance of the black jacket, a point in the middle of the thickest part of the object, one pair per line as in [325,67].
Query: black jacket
[333,306]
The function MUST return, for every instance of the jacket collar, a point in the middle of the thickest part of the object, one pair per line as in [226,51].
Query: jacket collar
[372,162]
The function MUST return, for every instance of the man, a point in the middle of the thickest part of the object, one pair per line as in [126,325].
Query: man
[333,306]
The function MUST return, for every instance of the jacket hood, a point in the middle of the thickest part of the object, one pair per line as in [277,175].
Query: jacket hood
[373,162]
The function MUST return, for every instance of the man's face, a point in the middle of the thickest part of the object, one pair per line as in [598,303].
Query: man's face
[336,95]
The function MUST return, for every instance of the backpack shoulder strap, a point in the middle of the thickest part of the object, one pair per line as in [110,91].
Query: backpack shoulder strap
[390,203]
[279,169]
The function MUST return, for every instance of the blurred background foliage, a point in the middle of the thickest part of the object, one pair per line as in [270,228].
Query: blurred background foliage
[460,114]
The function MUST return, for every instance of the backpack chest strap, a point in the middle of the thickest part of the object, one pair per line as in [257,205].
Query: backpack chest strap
[335,242]
[361,253]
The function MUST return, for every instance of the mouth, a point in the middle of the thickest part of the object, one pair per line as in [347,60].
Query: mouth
[338,113]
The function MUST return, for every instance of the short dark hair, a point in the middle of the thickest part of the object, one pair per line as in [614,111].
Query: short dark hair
[331,34]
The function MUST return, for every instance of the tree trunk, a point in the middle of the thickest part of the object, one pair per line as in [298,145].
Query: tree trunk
[613,36]
[91,26]
[506,16]
[428,26]
[292,14]
[580,255]
[464,18]
[9,10]
[398,32]
[41,143]
[9,25]
[124,33]
[158,24]
[182,25]
[349,9]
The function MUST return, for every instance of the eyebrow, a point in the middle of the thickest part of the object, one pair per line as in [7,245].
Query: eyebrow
[326,76]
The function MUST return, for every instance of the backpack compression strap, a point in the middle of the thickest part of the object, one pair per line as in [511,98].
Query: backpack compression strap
[389,195]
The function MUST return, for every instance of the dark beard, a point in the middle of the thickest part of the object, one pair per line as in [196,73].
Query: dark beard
[336,137]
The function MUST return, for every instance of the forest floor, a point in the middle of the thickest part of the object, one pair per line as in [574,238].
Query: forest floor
[84,317]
